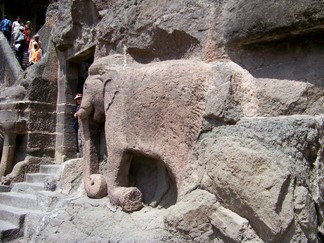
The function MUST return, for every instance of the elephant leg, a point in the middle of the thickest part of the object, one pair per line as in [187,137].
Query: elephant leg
[129,198]
[94,183]
[8,152]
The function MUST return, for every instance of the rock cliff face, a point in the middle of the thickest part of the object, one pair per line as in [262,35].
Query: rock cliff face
[255,170]
[27,110]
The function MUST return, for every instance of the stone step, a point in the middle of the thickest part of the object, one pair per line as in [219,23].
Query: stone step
[4,188]
[19,200]
[36,177]
[12,215]
[9,231]
[49,169]
[26,187]
[22,200]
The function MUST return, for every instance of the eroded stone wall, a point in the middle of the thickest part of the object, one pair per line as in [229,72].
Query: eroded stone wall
[254,172]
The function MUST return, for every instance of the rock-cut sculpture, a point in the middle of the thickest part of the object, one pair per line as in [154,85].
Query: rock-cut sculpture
[155,110]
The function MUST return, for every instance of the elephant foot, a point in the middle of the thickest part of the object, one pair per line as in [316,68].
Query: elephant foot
[129,198]
[96,186]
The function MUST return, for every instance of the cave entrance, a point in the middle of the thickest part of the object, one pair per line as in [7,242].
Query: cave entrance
[154,180]
[72,75]
[77,72]
[79,66]
[82,73]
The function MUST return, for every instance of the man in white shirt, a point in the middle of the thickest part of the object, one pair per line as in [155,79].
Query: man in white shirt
[15,29]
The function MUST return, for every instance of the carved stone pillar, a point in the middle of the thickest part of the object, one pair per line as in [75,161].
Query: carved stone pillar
[8,153]
[10,131]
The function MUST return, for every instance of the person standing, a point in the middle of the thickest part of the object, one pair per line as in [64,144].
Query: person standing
[32,41]
[19,45]
[15,30]
[6,28]
[78,100]
[35,54]
[27,32]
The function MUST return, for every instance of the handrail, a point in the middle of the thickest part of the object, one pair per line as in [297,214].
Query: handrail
[10,58]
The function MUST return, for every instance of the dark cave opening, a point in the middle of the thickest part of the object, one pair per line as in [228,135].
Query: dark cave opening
[154,180]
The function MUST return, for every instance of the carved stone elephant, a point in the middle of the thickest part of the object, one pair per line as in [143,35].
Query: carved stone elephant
[151,110]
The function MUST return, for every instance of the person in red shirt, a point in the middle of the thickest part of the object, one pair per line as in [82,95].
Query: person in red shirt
[27,33]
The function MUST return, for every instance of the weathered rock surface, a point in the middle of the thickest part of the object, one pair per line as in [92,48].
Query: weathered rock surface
[255,174]
[91,220]
[256,171]
[27,105]
[71,176]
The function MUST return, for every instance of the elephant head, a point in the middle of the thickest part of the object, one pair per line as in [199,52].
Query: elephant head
[91,118]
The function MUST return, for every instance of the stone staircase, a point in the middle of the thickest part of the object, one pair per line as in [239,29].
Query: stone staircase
[21,201]
[25,63]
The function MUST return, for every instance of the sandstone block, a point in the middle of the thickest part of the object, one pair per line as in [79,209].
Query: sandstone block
[232,226]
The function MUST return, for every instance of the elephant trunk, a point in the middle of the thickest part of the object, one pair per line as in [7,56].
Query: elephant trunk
[82,113]
[94,183]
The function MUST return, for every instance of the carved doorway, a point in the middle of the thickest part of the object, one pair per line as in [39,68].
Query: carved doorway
[73,73]
[82,74]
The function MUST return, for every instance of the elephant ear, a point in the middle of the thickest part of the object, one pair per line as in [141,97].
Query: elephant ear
[111,88]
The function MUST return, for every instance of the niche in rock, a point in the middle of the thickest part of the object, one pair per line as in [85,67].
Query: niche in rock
[20,151]
[165,46]
[83,68]
[154,180]
[291,57]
